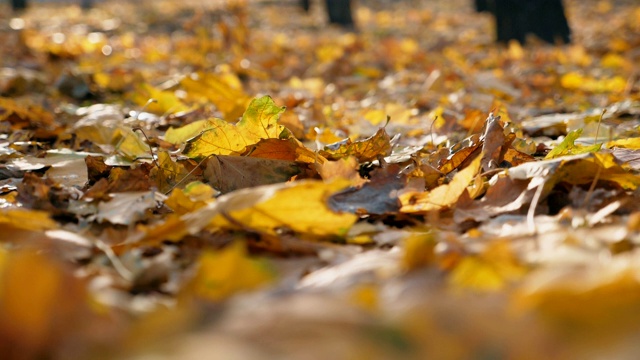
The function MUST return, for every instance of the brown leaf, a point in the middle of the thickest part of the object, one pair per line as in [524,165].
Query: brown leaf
[377,145]
[376,197]
[492,143]
[288,149]
[229,173]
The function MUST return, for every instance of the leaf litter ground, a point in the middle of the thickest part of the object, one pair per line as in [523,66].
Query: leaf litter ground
[409,190]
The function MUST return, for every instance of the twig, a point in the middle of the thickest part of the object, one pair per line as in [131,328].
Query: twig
[591,189]
[186,176]
[433,142]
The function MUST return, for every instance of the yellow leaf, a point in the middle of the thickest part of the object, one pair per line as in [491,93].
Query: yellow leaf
[376,116]
[230,271]
[584,170]
[170,173]
[180,135]
[418,251]
[194,196]
[26,219]
[129,144]
[37,298]
[260,121]
[627,143]
[302,208]
[492,270]
[364,150]
[166,101]
[443,196]
[225,93]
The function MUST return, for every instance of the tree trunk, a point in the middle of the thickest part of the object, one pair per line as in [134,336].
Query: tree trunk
[305,4]
[18,4]
[517,18]
[339,12]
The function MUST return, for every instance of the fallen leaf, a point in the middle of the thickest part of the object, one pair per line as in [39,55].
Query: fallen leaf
[569,147]
[369,149]
[443,196]
[229,271]
[126,208]
[418,251]
[260,121]
[376,197]
[227,173]
[224,92]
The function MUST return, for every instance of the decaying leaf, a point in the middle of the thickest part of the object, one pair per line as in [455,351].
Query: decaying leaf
[377,145]
[228,173]
[377,196]
[126,208]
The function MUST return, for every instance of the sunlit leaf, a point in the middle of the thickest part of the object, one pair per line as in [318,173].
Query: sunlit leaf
[170,173]
[194,196]
[627,143]
[166,101]
[182,134]
[284,149]
[569,147]
[302,208]
[378,145]
[228,97]
[260,121]
[442,196]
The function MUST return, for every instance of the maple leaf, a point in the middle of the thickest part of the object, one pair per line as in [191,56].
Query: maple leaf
[260,121]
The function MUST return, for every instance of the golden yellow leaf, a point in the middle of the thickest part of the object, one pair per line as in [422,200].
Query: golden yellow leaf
[260,121]
[129,144]
[346,168]
[301,207]
[583,171]
[180,135]
[229,271]
[627,143]
[492,270]
[37,297]
[364,150]
[166,101]
[223,91]
[418,251]
[24,219]
[443,196]
[180,203]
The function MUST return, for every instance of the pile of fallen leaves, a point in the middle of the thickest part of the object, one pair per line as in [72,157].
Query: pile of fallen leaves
[188,180]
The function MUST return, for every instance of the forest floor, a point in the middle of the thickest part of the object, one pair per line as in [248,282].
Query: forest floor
[410,189]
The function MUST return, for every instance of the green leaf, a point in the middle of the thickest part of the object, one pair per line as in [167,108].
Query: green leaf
[568,146]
